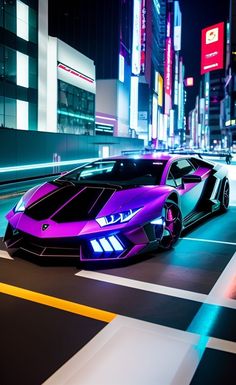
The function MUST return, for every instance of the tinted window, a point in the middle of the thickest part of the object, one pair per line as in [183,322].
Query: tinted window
[178,170]
[122,172]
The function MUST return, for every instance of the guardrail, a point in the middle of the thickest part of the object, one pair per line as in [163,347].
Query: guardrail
[13,174]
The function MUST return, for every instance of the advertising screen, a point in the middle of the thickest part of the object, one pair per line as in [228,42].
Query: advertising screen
[212,48]
[136,45]
[168,75]
[177,26]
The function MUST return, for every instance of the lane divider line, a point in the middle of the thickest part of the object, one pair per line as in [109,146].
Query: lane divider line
[61,304]
[209,240]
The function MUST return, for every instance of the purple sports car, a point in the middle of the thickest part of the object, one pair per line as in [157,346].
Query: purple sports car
[117,207]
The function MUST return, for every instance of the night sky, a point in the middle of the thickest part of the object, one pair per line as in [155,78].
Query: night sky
[196,15]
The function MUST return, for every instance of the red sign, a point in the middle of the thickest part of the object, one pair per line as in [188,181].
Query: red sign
[212,50]
[75,73]
[143,37]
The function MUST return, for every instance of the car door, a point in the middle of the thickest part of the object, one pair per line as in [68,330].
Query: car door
[189,192]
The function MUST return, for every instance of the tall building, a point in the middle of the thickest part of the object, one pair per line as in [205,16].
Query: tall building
[229,104]
[48,91]
[19,64]
[102,30]
[216,84]
[38,88]
[126,39]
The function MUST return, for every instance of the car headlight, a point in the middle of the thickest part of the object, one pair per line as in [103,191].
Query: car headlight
[20,207]
[118,218]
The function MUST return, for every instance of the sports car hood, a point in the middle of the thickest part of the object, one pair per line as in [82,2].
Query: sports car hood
[74,203]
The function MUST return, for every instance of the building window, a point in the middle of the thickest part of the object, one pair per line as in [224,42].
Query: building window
[104,129]
[76,110]
[22,24]
[10,113]
[8,15]
[8,64]
[22,109]
[22,70]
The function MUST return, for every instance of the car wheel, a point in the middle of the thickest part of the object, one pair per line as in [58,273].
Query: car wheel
[172,225]
[224,196]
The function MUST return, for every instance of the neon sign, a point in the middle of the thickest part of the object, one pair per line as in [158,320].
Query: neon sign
[136,46]
[143,36]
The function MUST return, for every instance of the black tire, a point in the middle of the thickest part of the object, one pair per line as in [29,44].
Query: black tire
[224,195]
[173,225]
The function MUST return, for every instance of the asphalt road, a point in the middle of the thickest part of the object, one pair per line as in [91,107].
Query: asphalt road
[169,318]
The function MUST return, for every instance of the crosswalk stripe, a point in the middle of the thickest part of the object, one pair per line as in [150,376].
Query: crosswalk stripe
[140,285]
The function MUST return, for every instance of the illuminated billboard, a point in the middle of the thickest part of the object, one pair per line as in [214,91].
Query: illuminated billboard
[143,36]
[160,90]
[168,68]
[212,48]
[136,44]
[177,26]
[168,75]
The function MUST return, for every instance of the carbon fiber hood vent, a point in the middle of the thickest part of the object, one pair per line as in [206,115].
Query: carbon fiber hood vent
[70,204]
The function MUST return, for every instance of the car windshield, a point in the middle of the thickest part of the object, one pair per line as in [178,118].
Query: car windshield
[118,172]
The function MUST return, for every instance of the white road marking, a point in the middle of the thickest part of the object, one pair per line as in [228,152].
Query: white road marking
[133,352]
[5,255]
[209,240]
[151,287]
[223,345]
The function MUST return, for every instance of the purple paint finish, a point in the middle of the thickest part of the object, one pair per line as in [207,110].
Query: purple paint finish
[70,216]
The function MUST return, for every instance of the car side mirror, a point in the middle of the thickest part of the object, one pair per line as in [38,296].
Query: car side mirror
[191,179]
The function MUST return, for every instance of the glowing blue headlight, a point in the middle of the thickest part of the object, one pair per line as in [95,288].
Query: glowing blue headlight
[20,207]
[115,219]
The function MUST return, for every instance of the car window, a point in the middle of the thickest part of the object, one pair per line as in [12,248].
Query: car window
[170,180]
[177,170]
[121,171]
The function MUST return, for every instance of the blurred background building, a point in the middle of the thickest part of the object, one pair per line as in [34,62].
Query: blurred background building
[97,77]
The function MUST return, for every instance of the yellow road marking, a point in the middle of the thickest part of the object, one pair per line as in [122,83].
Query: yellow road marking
[57,303]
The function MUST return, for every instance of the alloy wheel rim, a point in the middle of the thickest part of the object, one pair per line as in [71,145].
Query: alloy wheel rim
[173,225]
[226,195]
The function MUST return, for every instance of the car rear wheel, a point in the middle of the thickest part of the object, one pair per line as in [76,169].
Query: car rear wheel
[224,198]
[172,225]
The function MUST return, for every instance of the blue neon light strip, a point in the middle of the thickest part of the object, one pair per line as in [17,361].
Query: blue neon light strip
[44,165]
[104,245]
[115,243]
[96,247]
[92,119]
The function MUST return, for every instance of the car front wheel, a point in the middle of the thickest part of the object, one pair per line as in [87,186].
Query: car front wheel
[172,225]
